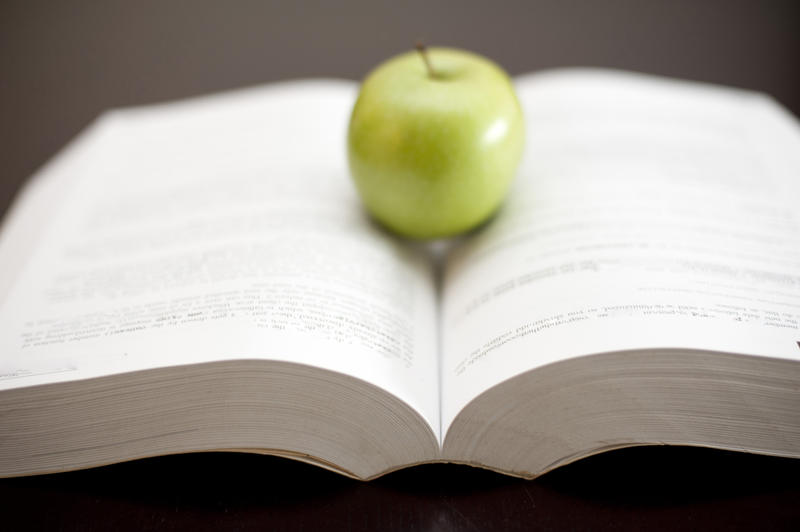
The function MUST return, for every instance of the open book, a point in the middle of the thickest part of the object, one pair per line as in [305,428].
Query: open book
[201,276]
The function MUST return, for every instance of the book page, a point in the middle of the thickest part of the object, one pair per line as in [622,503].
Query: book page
[221,228]
[647,214]
[28,216]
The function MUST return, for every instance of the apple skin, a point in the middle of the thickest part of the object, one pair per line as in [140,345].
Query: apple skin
[434,156]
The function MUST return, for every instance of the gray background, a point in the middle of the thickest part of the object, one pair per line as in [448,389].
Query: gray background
[62,63]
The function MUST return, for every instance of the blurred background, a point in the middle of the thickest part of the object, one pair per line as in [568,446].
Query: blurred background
[62,63]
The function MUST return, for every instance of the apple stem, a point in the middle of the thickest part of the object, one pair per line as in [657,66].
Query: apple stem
[424,53]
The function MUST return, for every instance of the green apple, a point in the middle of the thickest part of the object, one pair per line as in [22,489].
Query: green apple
[434,141]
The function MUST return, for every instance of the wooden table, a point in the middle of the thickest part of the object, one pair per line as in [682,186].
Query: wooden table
[61,63]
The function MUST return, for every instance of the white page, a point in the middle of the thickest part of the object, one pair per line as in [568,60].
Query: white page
[224,227]
[647,214]
[34,205]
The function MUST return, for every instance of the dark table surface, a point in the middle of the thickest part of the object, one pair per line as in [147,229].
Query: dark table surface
[62,63]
